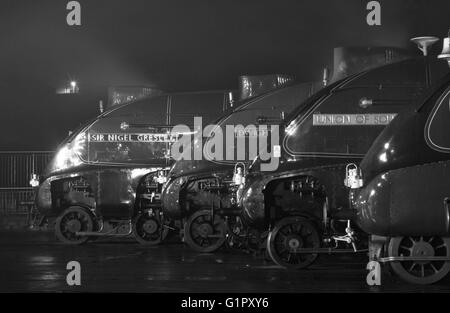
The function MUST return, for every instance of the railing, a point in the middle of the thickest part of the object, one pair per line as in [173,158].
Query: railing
[16,167]
[16,200]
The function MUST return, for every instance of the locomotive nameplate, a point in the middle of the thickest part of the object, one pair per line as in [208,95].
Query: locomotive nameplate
[372,119]
[135,137]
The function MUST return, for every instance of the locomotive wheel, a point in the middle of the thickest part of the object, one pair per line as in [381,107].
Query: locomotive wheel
[420,272]
[147,230]
[203,234]
[288,237]
[72,220]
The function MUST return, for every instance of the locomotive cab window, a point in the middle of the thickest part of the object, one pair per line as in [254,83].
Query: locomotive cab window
[437,130]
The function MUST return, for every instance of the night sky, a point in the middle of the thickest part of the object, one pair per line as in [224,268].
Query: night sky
[177,46]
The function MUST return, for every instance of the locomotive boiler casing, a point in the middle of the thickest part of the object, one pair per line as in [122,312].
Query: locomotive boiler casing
[110,161]
[347,61]
[181,194]
[406,173]
[322,138]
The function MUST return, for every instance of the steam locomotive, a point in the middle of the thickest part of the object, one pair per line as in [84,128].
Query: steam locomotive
[105,179]
[403,198]
[197,185]
[304,203]
[207,193]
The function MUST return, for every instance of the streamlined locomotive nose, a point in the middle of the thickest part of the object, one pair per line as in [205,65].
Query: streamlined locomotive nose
[401,202]
[170,196]
[44,197]
[373,206]
[252,203]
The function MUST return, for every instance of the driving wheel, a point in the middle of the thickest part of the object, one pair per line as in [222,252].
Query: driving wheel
[203,234]
[148,229]
[286,240]
[72,220]
[420,272]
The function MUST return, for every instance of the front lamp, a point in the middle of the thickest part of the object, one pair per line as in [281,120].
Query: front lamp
[70,154]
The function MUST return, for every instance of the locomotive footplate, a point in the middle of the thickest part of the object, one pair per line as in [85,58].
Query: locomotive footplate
[329,251]
[122,224]
[412,258]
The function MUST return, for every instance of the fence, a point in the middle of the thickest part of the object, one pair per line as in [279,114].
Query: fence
[16,167]
[15,200]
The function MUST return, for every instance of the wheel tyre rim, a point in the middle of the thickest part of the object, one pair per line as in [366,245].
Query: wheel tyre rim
[420,272]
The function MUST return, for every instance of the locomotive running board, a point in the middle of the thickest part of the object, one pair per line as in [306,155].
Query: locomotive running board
[99,234]
[409,258]
[330,250]
[110,233]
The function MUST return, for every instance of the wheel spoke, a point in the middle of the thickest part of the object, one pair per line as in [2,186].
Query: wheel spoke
[291,229]
[300,227]
[434,268]
[412,267]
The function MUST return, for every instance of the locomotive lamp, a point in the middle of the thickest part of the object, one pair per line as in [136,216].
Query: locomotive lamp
[423,43]
[445,54]
[238,181]
[34,181]
[239,174]
[353,176]
[162,178]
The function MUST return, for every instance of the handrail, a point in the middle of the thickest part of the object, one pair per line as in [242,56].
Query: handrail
[25,152]
[15,188]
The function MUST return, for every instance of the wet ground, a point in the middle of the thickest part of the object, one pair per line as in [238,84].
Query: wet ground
[33,261]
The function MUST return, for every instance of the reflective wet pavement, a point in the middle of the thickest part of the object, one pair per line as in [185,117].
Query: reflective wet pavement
[36,262]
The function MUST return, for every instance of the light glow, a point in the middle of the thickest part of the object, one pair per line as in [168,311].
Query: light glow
[69,155]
